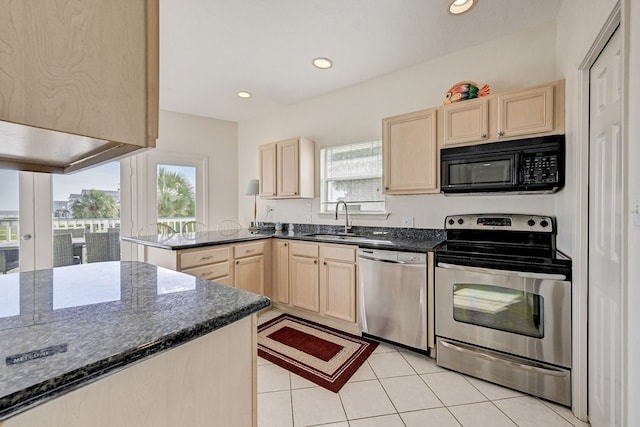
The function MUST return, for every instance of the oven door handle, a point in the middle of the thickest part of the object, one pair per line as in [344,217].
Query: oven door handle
[505,360]
[523,274]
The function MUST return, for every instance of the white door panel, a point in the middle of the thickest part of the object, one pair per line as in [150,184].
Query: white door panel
[605,237]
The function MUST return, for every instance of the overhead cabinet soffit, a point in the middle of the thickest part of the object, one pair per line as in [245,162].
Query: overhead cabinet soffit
[79,83]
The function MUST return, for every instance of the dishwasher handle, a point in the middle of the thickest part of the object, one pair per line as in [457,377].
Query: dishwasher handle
[376,259]
[393,257]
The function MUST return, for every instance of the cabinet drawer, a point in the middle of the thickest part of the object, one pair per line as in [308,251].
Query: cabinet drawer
[338,252]
[203,257]
[304,249]
[210,272]
[250,249]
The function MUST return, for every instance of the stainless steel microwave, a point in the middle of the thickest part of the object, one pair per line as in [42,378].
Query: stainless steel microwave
[532,165]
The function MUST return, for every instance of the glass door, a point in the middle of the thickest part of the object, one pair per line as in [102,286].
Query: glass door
[9,221]
[85,215]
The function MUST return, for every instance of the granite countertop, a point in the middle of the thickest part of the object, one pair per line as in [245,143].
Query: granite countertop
[399,239]
[61,328]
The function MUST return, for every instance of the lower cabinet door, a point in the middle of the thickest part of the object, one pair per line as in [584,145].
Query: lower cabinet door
[249,274]
[305,288]
[338,283]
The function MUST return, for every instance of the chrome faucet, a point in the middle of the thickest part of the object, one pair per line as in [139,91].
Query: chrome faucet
[347,227]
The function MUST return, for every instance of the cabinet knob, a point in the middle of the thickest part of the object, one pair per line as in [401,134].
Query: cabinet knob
[386,188]
[285,244]
[295,193]
[501,133]
[484,136]
[325,263]
[237,262]
[315,261]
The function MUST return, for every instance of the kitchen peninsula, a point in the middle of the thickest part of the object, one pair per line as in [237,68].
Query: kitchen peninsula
[127,344]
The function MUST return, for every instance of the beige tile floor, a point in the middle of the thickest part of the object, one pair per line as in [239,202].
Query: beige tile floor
[396,387]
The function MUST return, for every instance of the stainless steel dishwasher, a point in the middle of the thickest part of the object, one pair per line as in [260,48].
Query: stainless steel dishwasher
[392,288]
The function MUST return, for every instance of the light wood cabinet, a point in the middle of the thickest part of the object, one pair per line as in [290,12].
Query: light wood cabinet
[466,121]
[322,279]
[304,275]
[526,112]
[268,170]
[280,281]
[287,169]
[241,265]
[531,112]
[209,263]
[338,281]
[249,267]
[410,153]
[79,82]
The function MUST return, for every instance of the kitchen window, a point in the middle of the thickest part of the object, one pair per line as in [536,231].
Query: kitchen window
[353,173]
[176,188]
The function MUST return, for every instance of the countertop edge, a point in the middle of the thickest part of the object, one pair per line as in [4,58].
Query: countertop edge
[397,245]
[15,403]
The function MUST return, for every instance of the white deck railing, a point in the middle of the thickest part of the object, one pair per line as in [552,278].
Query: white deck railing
[9,228]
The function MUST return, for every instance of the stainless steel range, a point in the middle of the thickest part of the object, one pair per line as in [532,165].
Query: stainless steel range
[503,310]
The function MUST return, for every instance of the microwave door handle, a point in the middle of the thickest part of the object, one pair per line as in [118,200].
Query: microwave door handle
[523,274]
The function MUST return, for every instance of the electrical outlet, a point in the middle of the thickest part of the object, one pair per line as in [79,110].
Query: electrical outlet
[307,218]
[407,221]
[309,208]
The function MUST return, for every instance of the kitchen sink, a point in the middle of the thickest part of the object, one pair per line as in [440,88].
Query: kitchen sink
[342,237]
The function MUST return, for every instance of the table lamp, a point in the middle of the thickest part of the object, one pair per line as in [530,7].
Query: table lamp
[253,189]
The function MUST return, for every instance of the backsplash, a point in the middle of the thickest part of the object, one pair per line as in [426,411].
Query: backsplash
[391,232]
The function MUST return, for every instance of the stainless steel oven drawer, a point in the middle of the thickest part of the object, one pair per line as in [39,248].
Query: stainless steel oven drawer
[539,379]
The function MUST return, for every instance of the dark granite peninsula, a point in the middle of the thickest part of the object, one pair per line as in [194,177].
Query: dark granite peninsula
[126,344]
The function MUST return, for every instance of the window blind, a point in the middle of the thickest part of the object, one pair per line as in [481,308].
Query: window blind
[353,173]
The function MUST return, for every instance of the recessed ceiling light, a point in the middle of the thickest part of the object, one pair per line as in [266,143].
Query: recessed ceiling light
[323,63]
[244,94]
[460,6]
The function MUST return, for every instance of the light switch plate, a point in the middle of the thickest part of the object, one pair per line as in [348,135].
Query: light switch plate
[635,211]
[407,221]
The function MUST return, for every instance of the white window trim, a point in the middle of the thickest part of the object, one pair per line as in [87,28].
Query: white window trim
[382,215]
[363,215]
[199,161]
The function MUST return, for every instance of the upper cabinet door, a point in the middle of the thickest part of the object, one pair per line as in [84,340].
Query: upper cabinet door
[288,170]
[409,153]
[79,81]
[466,121]
[526,112]
[268,170]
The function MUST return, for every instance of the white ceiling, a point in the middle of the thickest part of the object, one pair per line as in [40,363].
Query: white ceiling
[211,49]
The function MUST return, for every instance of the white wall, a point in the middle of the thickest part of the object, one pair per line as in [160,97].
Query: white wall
[355,114]
[215,140]
[211,138]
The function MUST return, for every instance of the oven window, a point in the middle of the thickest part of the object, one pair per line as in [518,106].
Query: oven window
[484,172]
[499,308]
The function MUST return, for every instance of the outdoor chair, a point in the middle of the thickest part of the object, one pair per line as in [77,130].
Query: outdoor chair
[75,232]
[9,260]
[63,250]
[102,246]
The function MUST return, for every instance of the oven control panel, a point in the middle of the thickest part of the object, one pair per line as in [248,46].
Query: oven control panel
[513,222]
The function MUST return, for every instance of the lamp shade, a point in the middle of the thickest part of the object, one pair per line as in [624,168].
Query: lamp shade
[253,187]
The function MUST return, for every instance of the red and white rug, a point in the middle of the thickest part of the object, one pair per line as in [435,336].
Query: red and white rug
[323,355]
